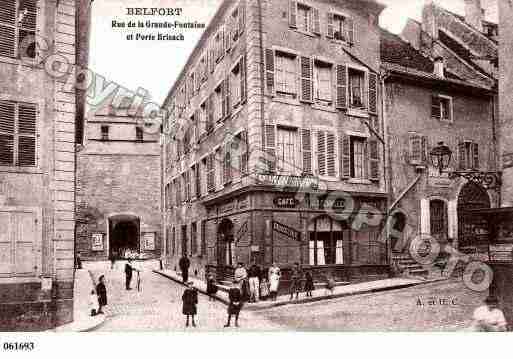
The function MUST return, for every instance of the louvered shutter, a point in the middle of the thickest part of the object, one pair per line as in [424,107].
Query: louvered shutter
[227,92]
[228,34]
[374,172]
[210,113]
[7,28]
[436,111]
[243,79]
[27,135]
[198,180]
[221,41]
[330,154]
[242,16]
[316,21]
[270,147]
[373,93]
[462,156]
[269,71]
[227,165]
[350,30]
[415,149]
[7,116]
[212,57]
[424,150]
[475,156]
[306,79]
[306,149]
[341,101]
[345,156]
[329,25]
[321,153]
[292,13]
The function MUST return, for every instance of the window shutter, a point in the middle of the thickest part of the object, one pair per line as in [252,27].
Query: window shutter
[330,154]
[350,30]
[424,150]
[27,135]
[316,21]
[228,34]
[462,156]
[211,184]
[374,172]
[475,155]
[373,93]
[198,180]
[242,16]
[211,58]
[415,150]
[243,79]
[329,26]
[223,100]
[269,71]
[321,153]
[7,33]
[341,87]
[210,113]
[227,93]
[306,147]
[243,149]
[436,111]
[7,114]
[306,79]
[270,144]
[345,156]
[227,165]
[221,40]
[292,13]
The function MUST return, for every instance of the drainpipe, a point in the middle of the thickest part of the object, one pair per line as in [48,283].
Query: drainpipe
[262,71]
[387,167]
[495,148]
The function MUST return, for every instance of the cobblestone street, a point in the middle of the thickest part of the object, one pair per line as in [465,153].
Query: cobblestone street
[158,307]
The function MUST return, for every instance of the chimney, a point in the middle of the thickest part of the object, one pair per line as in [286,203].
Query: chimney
[474,14]
[439,67]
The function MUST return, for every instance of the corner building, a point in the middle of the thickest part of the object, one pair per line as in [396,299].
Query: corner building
[278,99]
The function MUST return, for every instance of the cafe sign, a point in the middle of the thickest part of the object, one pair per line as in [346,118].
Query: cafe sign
[286,202]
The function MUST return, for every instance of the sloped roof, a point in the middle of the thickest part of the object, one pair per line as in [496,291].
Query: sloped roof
[397,51]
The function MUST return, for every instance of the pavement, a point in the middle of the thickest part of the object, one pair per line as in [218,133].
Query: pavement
[82,320]
[317,295]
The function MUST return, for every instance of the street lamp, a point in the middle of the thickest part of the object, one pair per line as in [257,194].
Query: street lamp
[440,157]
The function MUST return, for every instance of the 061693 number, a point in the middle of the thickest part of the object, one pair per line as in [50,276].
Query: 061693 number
[15,346]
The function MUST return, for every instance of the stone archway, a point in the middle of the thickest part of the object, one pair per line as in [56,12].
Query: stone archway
[472,196]
[124,236]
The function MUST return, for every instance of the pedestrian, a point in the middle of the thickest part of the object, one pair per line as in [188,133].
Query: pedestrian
[128,274]
[101,291]
[78,262]
[309,283]
[254,274]
[93,303]
[241,276]
[184,263]
[274,281]
[264,288]
[330,284]
[190,301]
[112,259]
[295,284]
[211,287]
[488,317]
[235,305]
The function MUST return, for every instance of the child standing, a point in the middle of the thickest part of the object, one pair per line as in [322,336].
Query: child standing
[93,303]
[211,287]
[190,301]
[309,284]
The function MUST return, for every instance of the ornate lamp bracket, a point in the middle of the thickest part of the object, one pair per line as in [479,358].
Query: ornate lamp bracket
[489,180]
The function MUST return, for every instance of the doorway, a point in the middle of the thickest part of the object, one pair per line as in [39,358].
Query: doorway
[225,244]
[124,236]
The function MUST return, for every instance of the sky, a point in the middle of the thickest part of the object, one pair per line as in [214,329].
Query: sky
[155,65]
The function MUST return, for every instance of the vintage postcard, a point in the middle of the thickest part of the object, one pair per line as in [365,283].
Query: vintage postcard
[255,165]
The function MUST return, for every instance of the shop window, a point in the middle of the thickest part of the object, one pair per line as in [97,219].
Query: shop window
[326,239]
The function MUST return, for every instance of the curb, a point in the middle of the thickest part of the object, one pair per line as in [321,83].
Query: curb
[251,306]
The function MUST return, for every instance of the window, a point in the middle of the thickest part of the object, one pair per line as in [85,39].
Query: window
[227,167]
[139,133]
[218,104]
[303,17]
[17,27]
[240,146]
[105,132]
[441,108]
[468,153]
[173,240]
[287,151]
[194,239]
[235,86]
[358,158]
[323,83]
[286,74]
[438,219]
[418,149]
[203,248]
[18,134]
[211,176]
[339,28]
[326,154]
[326,238]
[357,88]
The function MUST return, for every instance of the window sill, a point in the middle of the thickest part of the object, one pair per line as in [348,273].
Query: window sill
[357,112]
[341,42]
[21,170]
[287,101]
[327,108]
[359,181]
[306,33]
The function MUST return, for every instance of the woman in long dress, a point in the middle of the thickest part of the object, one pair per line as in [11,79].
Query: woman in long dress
[274,281]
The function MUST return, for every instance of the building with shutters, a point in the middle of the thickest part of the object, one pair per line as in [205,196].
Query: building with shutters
[118,187]
[37,160]
[273,148]
[435,92]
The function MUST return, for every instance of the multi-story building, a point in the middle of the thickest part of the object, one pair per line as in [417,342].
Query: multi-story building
[118,187]
[37,159]
[278,156]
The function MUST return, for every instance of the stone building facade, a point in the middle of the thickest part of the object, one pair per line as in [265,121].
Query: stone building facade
[273,151]
[37,162]
[118,187]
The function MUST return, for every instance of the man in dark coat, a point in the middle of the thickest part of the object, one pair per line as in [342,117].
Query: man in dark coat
[235,296]
[101,291]
[254,275]
[128,274]
[190,300]
[184,265]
